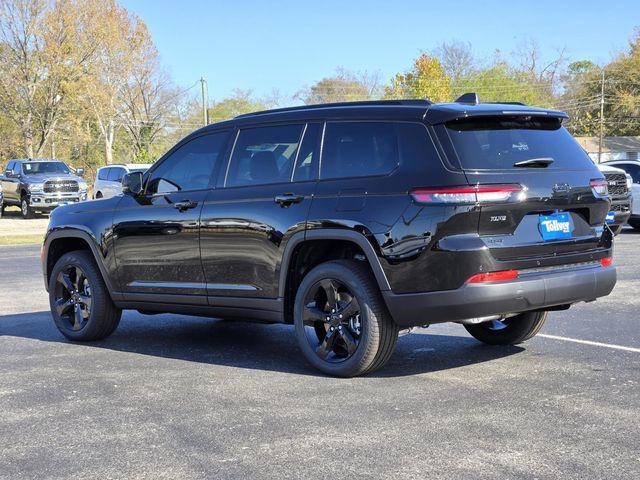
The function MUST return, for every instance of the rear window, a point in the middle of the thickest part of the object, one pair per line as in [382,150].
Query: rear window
[498,143]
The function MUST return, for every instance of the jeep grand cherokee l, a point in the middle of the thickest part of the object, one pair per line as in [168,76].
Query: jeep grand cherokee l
[350,221]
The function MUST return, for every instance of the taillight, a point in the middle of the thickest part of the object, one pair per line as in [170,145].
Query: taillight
[467,194]
[606,262]
[599,187]
[499,276]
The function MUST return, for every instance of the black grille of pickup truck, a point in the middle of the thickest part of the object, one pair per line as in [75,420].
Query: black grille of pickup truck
[62,186]
[617,184]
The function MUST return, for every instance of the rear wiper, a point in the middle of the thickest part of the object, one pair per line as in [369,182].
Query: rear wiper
[535,162]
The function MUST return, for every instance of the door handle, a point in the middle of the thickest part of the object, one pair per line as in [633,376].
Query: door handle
[287,199]
[185,205]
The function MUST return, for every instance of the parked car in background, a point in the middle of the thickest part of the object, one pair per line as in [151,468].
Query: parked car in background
[351,221]
[41,185]
[109,179]
[620,193]
[632,167]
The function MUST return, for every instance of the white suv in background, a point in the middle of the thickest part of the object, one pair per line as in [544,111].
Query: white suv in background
[632,167]
[109,179]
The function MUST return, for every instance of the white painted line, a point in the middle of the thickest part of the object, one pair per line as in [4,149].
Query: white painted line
[589,342]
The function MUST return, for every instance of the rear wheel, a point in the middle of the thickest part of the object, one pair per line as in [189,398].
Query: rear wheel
[80,303]
[510,331]
[98,195]
[342,324]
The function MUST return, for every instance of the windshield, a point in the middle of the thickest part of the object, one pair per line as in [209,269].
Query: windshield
[503,142]
[33,168]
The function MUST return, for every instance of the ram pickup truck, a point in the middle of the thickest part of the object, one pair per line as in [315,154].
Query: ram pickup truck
[41,185]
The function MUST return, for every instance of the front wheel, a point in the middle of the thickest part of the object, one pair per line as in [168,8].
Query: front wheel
[509,331]
[81,306]
[342,324]
[27,212]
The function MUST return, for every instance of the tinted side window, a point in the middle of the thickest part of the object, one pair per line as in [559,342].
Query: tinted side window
[356,149]
[190,166]
[10,166]
[264,155]
[116,174]
[631,169]
[308,158]
[103,173]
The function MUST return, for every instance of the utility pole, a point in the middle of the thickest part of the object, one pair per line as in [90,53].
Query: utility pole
[205,113]
[601,118]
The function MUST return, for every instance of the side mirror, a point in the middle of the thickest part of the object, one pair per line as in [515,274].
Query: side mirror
[80,172]
[10,174]
[132,183]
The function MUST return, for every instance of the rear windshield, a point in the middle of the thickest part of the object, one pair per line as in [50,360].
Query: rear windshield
[490,143]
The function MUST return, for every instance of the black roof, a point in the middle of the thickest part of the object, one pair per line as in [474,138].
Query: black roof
[408,110]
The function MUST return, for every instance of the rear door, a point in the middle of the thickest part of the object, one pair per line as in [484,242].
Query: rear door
[114,181]
[555,176]
[11,182]
[247,221]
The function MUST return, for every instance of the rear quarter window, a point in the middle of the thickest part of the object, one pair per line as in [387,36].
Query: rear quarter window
[498,143]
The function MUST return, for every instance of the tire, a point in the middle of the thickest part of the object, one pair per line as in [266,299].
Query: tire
[512,330]
[97,195]
[635,224]
[1,209]
[25,208]
[375,332]
[103,316]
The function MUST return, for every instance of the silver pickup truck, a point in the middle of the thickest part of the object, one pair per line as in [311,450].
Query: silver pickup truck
[41,185]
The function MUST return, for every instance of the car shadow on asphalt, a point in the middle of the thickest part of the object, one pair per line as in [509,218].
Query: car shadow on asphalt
[252,345]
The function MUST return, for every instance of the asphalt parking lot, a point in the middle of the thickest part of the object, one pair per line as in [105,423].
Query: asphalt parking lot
[183,397]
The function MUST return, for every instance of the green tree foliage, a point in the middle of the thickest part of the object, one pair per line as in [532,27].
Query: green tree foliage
[241,102]
[425,79]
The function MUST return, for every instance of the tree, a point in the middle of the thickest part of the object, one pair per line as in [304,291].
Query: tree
[456,59]
[345,86]
[426,79]
[41,61]
[241,102]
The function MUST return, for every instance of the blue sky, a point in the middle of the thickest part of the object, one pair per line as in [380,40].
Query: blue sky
[287,45]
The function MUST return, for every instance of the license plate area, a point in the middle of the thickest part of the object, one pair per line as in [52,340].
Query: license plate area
[555,226]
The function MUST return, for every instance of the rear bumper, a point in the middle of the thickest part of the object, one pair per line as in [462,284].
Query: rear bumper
[530,291]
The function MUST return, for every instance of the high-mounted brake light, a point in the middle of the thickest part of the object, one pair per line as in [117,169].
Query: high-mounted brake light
[606,262]
[466,194]
[600,187]
[499,276]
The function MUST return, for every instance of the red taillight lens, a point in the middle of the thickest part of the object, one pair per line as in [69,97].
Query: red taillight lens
[606,262]
[600,187]
[500,276]
[466,194]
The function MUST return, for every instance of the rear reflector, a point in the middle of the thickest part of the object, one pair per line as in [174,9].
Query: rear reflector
[606,262]
[494,276]
[466,194]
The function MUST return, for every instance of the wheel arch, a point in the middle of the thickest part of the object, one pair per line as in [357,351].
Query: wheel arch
[335,243]
[57,243]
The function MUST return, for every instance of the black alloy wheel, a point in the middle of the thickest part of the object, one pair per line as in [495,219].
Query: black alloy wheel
[73,299]
[334,313]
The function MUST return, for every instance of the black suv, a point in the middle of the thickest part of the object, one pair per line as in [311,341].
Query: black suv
[352,222]
[41,185]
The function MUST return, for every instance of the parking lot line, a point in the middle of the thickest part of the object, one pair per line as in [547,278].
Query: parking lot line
[589,342]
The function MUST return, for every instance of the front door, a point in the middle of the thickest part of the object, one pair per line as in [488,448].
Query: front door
[156,233]
[263,200]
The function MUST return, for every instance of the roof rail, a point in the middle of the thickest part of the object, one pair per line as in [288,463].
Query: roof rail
[365,103]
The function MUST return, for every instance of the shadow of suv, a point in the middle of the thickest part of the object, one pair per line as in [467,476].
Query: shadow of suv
[350,221]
